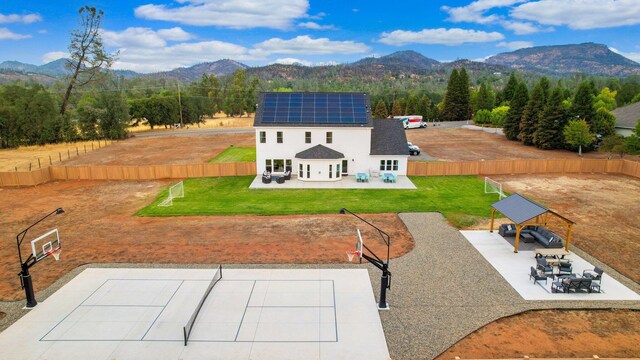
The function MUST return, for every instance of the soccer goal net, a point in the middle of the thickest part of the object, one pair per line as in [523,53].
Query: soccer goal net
[493,187]
[175,192]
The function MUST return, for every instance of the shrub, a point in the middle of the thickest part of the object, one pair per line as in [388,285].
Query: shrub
[498,115]
[482,117]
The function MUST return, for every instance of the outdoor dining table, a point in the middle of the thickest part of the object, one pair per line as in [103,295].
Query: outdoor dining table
[388,177]
[552,253]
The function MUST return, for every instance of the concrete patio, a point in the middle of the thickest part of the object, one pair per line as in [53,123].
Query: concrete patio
[347,182]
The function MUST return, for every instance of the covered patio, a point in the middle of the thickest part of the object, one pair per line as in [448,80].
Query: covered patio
[347,182]
[526,212]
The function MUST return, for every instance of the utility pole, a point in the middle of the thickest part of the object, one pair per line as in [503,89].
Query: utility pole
[180,105]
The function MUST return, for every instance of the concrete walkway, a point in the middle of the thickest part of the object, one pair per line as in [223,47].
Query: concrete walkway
[347,182]
[444,289]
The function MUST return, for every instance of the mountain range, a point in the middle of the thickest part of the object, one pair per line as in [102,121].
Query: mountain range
[557,60]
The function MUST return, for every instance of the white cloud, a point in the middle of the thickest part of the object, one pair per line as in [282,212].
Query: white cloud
[6,34]
[26,19]
[474,12]
[635,56]
[308,46]
[454,36]
[522,28]
[315,26]
[294,61]
[180,55]
[42,31]
[143,37]
[236,14]
[515,45]
[581,14]
[54,55]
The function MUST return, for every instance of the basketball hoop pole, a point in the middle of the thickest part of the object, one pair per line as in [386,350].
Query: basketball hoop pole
[376,261]
[25,278]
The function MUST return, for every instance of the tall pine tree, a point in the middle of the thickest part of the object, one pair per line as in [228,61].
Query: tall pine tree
[552,122]
[447,113]
[380,112]
[583,102]
[456,100]
[465,95]
[533,112]
[510,88]
[514,115]
[485,98]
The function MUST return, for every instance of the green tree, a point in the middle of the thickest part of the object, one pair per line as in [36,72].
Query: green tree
[606,99]
[583,101]
[613,144]
[426,108]
[485,98]
[533,111]
[519,101]
[456,100]
[234,100]
[498,115]
[380,112]
[114,119]
[510,89]
[632,142]
[604,122]
[412,105]
[628,91]
[483,116]
[88,117]
[397,109]
[88,57]
[553,119]
[208,87]
[577,134]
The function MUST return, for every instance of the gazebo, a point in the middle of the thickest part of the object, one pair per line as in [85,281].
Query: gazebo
[523,211]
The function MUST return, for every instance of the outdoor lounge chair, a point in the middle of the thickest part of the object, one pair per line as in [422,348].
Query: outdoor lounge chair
[280,179]
[594,275]
[568,285]
[287,175]
[565,268]
[507,230]
[536,276]
[543,266]
[266,179]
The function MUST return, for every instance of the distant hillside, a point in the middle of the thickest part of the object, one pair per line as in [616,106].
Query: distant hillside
[401,60]
[564,60]
[193,73]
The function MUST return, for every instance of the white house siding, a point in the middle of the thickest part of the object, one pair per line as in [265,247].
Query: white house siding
[374,164]
[318,170]
[354,143]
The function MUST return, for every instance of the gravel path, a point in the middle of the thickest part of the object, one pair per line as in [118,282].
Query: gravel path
[440,292]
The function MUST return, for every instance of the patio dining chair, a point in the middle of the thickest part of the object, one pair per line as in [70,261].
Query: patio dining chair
[536,276]
[543,266]
[565,269]
[594,275]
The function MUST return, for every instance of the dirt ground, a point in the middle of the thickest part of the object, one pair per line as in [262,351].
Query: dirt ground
[21,157]
[455,144]
[606,209]
[220,121]
[611,334]
[98,226]
[166,150]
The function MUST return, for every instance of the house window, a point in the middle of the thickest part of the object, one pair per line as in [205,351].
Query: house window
[307,137]
[389,165]
[278,165]
[301,171]
[329,137]
[268,165]
[279,137]
[263,137]
[308,171]
[337,171]
[287,166]
[330,171]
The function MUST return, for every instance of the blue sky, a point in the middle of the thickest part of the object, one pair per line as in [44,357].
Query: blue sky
[155,35]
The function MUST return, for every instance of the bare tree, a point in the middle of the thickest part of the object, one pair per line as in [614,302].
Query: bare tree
[88,57]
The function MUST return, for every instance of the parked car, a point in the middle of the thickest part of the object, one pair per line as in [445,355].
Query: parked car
[413,149]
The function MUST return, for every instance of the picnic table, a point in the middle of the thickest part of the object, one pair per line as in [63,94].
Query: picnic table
[388,177]
[552,253]
[362,177]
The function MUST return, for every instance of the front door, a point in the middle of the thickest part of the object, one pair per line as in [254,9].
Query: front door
[345,170]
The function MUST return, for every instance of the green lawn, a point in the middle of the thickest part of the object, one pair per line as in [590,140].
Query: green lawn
[236,154]
[459,198]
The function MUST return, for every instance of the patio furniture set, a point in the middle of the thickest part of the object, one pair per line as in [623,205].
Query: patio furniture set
[531,233]
[386,177]
[564,280]
[267,177]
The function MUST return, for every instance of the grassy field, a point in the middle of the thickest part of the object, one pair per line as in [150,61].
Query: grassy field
[460,198]
[219,121]
[236,154]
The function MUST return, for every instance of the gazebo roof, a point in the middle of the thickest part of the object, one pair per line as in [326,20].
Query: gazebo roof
[520,209]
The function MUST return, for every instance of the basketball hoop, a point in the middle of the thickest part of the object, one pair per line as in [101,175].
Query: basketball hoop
[56,253]
[352,254]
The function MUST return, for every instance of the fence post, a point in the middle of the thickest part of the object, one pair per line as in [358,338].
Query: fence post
[39,166]
[29,166]
[92,146]
[16,168]
[60,156]
[77,152]
[50,162]
[85,148]
[68,154]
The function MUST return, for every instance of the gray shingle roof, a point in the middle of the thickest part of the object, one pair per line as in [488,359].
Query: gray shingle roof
[518,208]
[627,116]
[319,152]
[388,137]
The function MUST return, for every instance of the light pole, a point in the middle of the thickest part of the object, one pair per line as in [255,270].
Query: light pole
[374,259]
[25,278]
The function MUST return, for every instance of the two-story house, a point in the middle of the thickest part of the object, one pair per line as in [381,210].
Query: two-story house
[325,136]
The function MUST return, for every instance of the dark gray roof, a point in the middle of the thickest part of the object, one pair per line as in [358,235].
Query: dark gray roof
[519,209]
[388,137]
[266,118]
[627,116]
[319,152]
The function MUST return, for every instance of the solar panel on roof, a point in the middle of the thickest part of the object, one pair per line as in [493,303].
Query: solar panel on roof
[314,108]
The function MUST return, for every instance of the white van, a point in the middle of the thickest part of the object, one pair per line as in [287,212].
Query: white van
[412,121]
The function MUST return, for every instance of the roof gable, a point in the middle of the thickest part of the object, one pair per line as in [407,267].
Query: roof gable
[319,152]
[388,137]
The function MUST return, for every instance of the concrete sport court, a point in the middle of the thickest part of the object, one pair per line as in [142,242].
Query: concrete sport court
[249,314]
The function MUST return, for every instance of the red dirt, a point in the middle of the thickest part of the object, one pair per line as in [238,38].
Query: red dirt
[166,150]
[456,144]
[554,334]
[98,227]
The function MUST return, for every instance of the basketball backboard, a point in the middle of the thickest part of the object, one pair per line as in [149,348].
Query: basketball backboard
[46,244]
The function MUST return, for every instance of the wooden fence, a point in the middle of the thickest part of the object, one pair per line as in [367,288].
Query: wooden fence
[414,168]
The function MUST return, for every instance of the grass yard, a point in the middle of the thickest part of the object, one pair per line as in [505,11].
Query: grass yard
[236,154]
[459,198]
